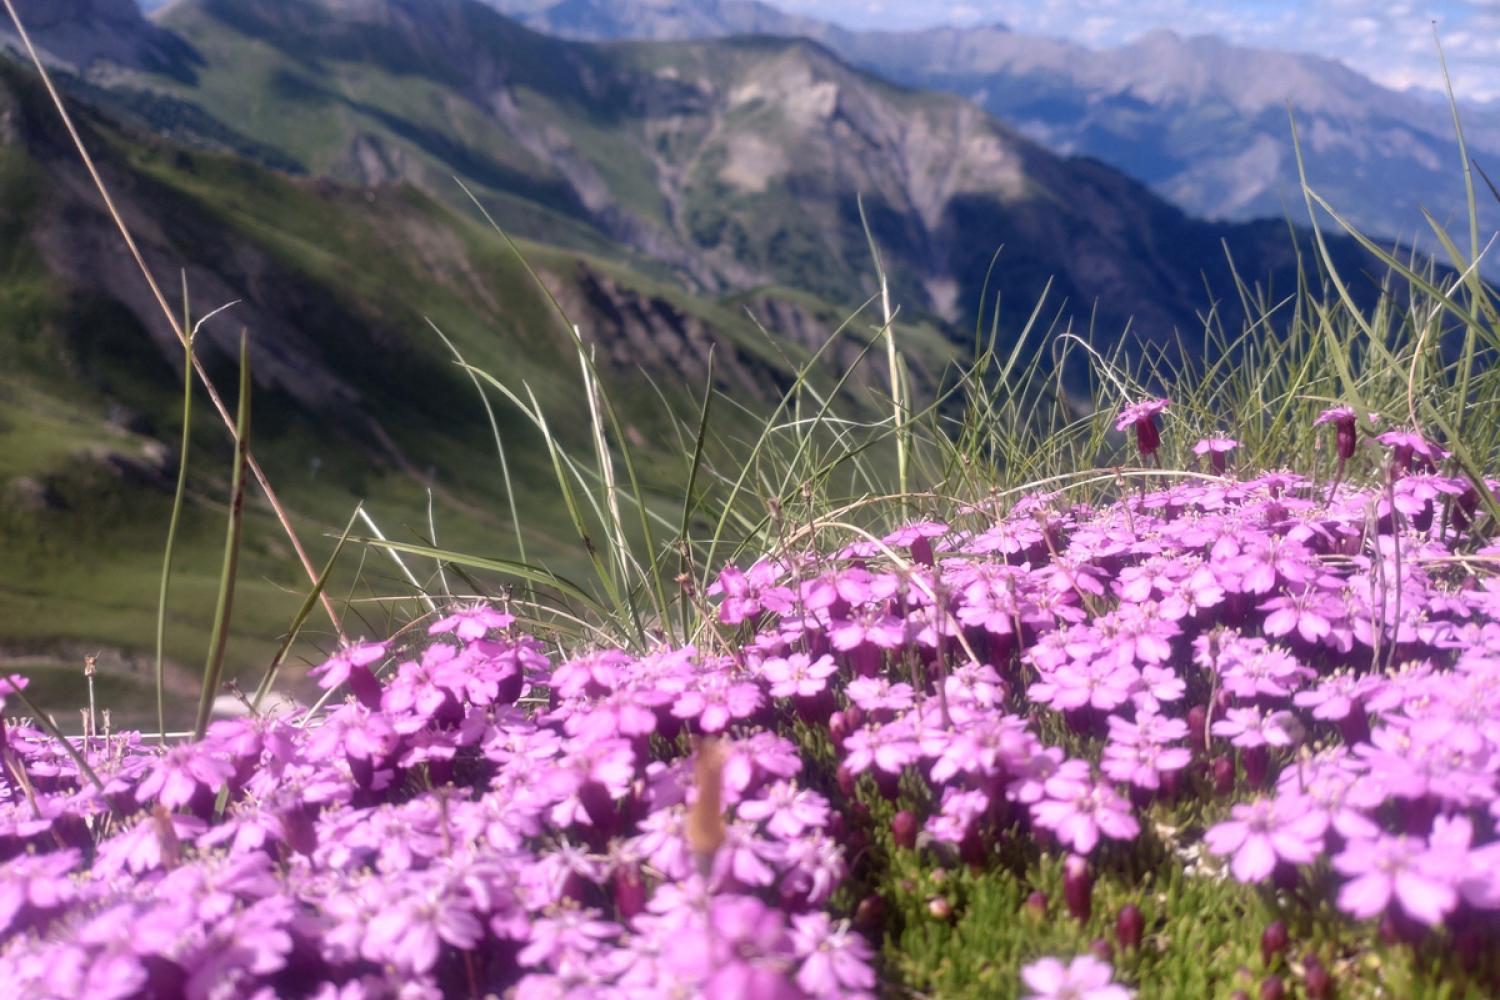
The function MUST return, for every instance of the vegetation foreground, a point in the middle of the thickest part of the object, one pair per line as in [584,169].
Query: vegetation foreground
[1222,735]
[994,715]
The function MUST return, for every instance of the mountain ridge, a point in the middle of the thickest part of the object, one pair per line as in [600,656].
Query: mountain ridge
[1202,121]
[733,162]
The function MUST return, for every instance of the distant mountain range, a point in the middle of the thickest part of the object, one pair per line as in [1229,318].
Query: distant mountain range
[726,165]
[1203,122]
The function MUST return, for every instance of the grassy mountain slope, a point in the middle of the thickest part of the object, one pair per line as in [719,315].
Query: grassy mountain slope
[733,164]
[356,397]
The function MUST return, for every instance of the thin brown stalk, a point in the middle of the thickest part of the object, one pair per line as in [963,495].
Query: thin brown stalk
[161,301]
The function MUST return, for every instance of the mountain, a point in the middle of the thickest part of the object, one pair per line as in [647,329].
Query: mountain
[726,165]
[356,398]
[1201,121]
[301,160]
[102,35]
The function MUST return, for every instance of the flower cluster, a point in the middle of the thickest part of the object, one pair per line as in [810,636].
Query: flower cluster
[1315,668]
[428,838]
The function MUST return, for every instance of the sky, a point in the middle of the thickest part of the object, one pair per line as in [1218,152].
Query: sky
[1388,40]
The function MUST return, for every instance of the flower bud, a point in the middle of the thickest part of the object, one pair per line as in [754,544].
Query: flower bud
[1036,904]
[1101,950]
[1130,925]
[1317,983]
[869,914]
[1257,761]
[1221,772]
[1272,989]
[904,828]
[838,728]
[1197,724]
[629,891]
[1078,888]
[1273,941]
[939,908]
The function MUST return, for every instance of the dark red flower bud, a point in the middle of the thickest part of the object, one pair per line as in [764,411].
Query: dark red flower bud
[1146,436]
[1197,725]
[869,914]
[1317,983]
[1221,772]
[904,827]
[1272,989]
[844,778]
[1130,926]
[1036,904]
[599,806]
[1257,761]
[838,728]
[1346,440]
[630,891]
[1273,941]
[1078,888]
[1101,950]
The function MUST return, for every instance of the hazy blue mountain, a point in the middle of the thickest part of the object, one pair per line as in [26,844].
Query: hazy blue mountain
[1201,121]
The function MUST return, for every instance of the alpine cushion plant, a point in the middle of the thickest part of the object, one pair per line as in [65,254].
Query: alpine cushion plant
[1262,698]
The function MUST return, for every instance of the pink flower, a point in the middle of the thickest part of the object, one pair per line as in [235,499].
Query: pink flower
[1216,449]
[1084,978]
[786,810]
[1248,727]
[885,747]
[798,675]
[1142,416]
[180,772]
[835,960]
[1402,867]
[1261,833]
[474,622]
[1408,445]
[1342,418]
[1079,810]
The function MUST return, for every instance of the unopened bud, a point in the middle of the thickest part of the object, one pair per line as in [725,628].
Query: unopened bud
[1221,772]
[1273,941]
[1130,926]
[1078,888]
[904,828]
[869,914]
[1317,983]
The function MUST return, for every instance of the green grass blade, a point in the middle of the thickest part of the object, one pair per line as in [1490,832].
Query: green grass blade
[176,518]
[506,567]
[308,603]
[214,667]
